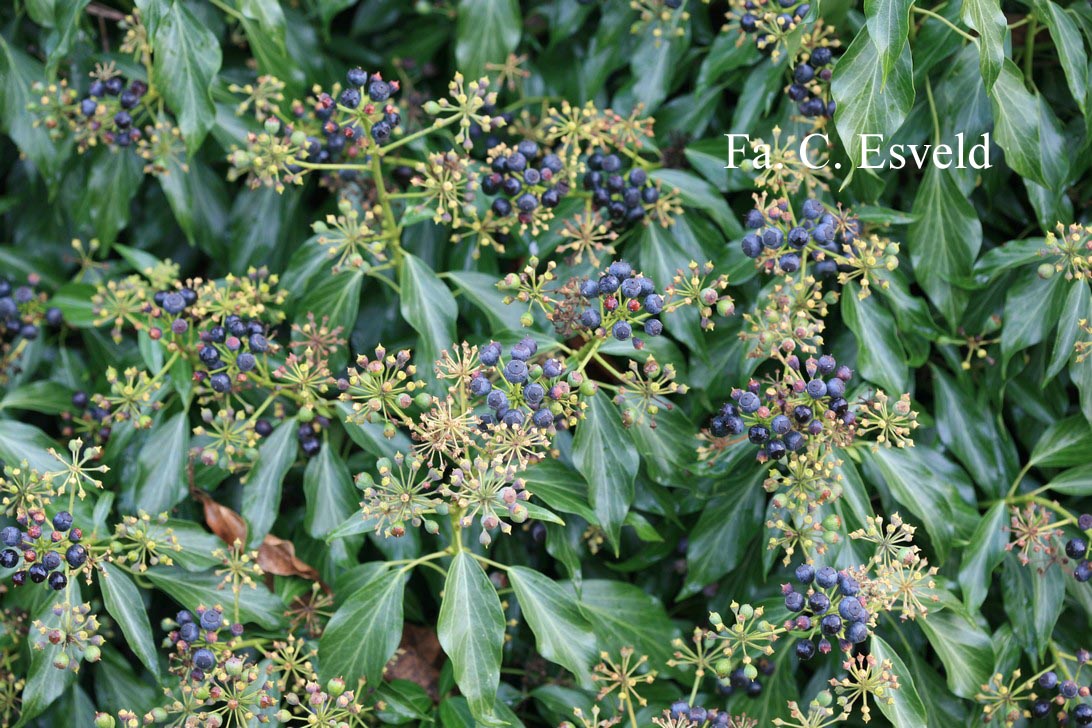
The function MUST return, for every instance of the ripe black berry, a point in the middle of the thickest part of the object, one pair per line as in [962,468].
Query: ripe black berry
[76,555]
[58,581]
[37,573]
[9,558]
[1076,548]
[203,659]
[826,577]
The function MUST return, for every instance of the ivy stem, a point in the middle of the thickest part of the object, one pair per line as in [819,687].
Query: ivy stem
[489,562]
[1017,481]
[950,24]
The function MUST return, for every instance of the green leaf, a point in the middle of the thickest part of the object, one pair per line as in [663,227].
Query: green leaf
[1077,308]
[870,100]
[336,296]
[985,551]
[123,601]
[609,469]
[186,60]
[1067,40]
[723,535]
[696,192]
[1016,122]
[428,306]
[928,485]
[943,241]
[1064,444]
[481,290]
[471,631]
[486,31]
[666,444]
[1076,481]
[973,435]
[258,605]
[113,178]
[880,355]
[1032,307]
[74,300]
[560,487]
[262,492]
[18,72]
[20,441]
[888,24]
[906,710]
[45,683]
[963,647]
[1033,602]
[49,398]
[986,17]
[328,488]
[363,634]
[562,633]
[625,615]
[161,466]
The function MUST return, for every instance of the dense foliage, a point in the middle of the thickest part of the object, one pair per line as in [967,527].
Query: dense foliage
[443,363]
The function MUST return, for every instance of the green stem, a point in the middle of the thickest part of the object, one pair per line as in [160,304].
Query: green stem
[967,36]
[1017,481]
[1029,50]
[489,562]
[417,135]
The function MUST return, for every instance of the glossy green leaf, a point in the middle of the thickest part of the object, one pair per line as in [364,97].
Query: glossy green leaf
[888,23]
[161,466]
[429,307]
[562,633]
[187,59]
[486,31]
[364,632]
[471,631]
[1064,444]
[964,649]
[986,17]
[609,469]
[257,605]
[124,603]
[943,241]
[262,492]
[906,709]
[871,100]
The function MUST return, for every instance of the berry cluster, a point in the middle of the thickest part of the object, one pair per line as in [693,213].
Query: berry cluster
[496,134]
[22,313]
[173,303]
[831,607]
[623,197]
[524,390]
[309,434]
[91,417]
[41,553]
[699,716]
[811,82]
[521,180]
[745,678]
[1066,690]
[237,339]
[1077,549]
[794,410]
[108,109]
[366,99]
[197,639]
[770,25]
[620,300]
[776,235]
